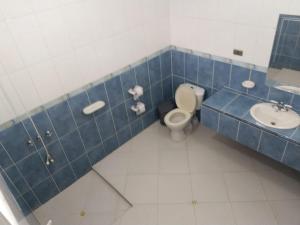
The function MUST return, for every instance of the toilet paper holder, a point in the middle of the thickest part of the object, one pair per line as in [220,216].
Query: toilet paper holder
[139,108]
[136,92]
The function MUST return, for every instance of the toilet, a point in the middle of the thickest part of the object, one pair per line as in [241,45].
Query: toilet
[188,99]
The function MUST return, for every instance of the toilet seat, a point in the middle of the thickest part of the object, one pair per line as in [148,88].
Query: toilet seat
[186,99]
[177,117]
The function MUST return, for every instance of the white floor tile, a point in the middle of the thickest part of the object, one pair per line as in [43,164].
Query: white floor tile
[173,162]
[140,215]
[214,214]
[107,196]
[142,189]
[244,186]
[174,189]
[209,187]
[203,160]
[98,219]
[280,186]
[143,162]
[162,178]
[117,181]
[90,194]
[253,213]
[200,137]
[233,156]
[114,164]
[176,214]
[168,144]
[286,212]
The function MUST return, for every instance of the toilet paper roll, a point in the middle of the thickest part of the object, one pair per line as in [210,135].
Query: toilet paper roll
[139,91]
[140,108]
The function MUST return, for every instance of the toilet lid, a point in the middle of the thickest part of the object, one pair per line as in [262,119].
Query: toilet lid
[185,98]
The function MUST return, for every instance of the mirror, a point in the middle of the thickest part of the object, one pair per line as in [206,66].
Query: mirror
[284,66]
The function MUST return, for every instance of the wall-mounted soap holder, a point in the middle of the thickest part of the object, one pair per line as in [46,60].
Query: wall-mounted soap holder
[248,84]
[90,109]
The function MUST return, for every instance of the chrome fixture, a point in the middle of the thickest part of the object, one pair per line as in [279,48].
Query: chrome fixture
[280,106]
[38,137]
[30,142]
[48,133]
[49,159]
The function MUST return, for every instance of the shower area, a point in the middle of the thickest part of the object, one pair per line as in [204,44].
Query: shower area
[35,169]
[56,58]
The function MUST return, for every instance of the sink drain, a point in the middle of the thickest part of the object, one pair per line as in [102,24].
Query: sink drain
[273,123]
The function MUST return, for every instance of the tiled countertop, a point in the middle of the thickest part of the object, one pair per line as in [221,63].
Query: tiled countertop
[238,105]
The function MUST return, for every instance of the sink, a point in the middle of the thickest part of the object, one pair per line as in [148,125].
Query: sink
[265,114]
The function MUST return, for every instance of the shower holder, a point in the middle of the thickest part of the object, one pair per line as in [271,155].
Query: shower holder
[48,133]
[30,143]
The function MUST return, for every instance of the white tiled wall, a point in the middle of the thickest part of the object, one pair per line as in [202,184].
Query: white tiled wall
[219,26]
[51,47]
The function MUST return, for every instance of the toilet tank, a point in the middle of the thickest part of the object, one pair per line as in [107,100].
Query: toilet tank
[199,92]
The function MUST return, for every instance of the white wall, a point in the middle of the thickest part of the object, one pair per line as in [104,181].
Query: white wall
[51,47]
[219,26]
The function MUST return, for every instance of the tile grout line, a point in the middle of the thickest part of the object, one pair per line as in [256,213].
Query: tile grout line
[59,141]
[94,119]
[238,130]
[230,73]
[43,162]
[78,131]
[212,75]
[284,152]
[110,112]
[23,177]
[191,181]
[127,116]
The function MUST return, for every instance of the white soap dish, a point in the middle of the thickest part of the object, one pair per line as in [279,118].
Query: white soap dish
[93,107]
[248,84]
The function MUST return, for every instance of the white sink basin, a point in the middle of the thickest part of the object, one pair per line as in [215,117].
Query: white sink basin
[265,114]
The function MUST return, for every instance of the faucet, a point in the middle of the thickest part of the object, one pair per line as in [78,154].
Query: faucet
[280,106]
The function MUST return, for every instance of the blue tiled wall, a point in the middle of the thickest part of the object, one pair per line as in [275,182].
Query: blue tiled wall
[213,73]
[228,113]
[79,141]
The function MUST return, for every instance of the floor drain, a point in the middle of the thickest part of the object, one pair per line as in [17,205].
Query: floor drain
[82,213]
[194,202]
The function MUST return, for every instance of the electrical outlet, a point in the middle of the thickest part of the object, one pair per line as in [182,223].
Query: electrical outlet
[238,52]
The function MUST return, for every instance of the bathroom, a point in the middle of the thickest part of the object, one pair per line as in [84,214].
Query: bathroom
[158,112]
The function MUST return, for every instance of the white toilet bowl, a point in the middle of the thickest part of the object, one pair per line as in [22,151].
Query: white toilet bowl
[188,98]
[177,120]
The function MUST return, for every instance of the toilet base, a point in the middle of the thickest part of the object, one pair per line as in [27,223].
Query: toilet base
[178,135]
